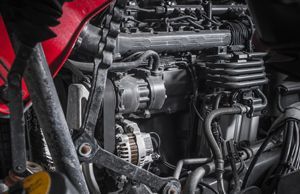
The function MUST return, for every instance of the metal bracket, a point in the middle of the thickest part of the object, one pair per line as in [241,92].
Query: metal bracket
[15,103]
[89,151]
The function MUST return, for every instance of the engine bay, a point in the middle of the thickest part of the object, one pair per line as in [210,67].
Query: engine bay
[191,102]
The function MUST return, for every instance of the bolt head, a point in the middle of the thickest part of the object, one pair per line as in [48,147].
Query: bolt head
[85,150]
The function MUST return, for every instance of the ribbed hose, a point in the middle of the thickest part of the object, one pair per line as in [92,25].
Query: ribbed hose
[219,161]
[239,31]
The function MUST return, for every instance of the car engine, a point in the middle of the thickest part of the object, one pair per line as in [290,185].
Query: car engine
[174,63]
[188,96]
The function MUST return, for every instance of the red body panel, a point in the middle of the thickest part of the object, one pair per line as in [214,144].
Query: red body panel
[75,15]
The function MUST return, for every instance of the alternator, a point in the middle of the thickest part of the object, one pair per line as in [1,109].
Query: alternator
[133,145]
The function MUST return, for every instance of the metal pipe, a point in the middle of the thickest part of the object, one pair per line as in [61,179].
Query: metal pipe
[199,173]
[17,123]
[216,9]
[188,162]
[124,66]
[52,119]
[170,42]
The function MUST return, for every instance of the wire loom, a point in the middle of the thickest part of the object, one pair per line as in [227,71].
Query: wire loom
[290,160]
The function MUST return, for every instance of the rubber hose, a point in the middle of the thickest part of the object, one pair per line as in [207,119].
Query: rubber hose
[214,145]
[125,66]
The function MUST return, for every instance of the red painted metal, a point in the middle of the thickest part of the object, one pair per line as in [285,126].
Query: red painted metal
[57,50]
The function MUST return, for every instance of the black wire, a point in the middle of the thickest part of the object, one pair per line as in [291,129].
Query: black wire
[236,178]
[197,112]
[155,135]
[169,165]
[298,144]
[195,93]
[288,145]
[208,187]
[195,24]
[273,133]
[242,166]
[182,18]
[290,152]
[163,160]
[295,157]
[211,20]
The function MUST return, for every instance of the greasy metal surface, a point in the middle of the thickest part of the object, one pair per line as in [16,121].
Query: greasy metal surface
[171,41]
[102,158]
[102,62]
[77,97]
[106,159]
[14,97]
[52,120]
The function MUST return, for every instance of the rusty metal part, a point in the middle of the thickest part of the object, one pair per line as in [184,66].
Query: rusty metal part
[52,120]
[102,158]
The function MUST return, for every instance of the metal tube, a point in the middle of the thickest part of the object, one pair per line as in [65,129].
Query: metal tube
[170,42]
[199,173]
[52,119]
[17,123]
[188,162]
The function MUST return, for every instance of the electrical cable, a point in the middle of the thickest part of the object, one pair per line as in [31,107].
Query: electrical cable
[288,144]
[219,161]
[273,133]
[197,112]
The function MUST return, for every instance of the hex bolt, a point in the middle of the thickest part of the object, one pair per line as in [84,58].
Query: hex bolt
[19,168]
[85,150]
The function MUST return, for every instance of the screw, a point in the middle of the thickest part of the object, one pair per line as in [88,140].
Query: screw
[19,168]
[155,156]
[85,149]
